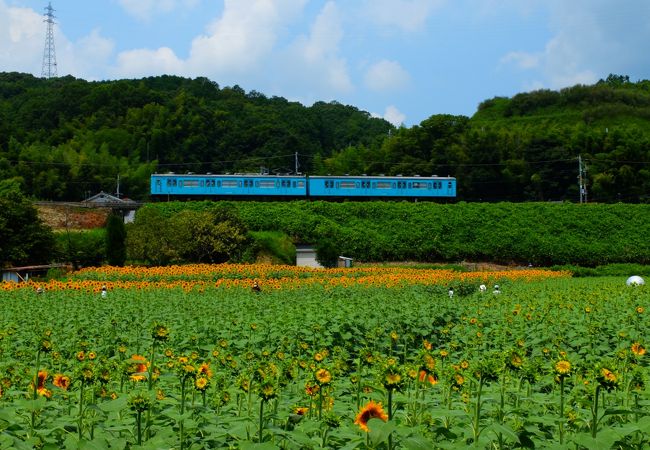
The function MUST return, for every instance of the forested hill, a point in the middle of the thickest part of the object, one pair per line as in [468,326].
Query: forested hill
[66,138]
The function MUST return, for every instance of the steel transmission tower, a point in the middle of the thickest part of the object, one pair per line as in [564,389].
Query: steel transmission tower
[49,56]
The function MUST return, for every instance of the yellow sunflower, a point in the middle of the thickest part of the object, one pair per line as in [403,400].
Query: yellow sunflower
[370,411]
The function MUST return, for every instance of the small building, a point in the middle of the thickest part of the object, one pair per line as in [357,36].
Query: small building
[23,274]
[306,257]
[344,261]
[125,205]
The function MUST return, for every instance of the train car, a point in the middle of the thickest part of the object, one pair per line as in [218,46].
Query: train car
[378,187]
[192,186]
[251,186]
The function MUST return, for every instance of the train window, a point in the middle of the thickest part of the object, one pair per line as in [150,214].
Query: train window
[393,185]
[357,185]
[421,185]
[409,185]
[158,183]
[239,183]
[190,183]
[429,185]
[294,184]
[201,183]
[173,182]
[301,184]
[218,183]
[347,184]
[257,184]
[449,185]
[229,183]
[169,182]
[384,185]
[267,184]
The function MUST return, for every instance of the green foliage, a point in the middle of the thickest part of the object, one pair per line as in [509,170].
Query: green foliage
[67,137]
[115,240]
[85,248]
[24,239]
[212,235]
[609,270]
[542,234]
[270,246]
[326,252]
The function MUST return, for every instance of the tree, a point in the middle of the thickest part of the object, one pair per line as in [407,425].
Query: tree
[213,236]
[24,238]
[115,240]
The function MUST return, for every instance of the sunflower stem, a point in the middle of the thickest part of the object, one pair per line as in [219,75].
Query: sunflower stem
[35,393]
[81,409]
[320,403]
[139,424]
[477,412]
[390,417]
[261,420]
[594,412]
[561,409]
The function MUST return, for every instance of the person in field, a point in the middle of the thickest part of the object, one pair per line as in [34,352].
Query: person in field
[256,287]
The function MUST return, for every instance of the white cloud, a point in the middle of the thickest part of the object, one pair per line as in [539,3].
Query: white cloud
[590,39]
[243,36]
[143,62]
[522,60]
[146,9]
[22,39]
[386,76]
[314,61]
[394,115]
[407,15]
[86,58]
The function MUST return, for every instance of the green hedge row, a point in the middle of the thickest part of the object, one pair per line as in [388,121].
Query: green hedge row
[542,234]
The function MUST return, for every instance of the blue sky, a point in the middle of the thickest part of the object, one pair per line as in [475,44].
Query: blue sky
[404,60]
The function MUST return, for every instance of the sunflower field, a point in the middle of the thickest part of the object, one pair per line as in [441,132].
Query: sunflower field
[383,358]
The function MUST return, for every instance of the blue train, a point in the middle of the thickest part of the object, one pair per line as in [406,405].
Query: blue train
[246,186]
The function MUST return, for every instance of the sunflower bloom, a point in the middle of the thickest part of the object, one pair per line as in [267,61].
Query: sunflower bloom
[563,367]
[40,387]
[429,377]
[323,376]
[371,411]
[638,349]
[139,368]
[201,383]
[204,369]
[300,410]
[61,381]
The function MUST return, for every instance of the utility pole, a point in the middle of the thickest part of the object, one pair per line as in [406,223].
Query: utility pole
[49,55]
[296,165]
[582,179]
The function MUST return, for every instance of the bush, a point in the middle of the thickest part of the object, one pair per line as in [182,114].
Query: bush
[115,241]
[82,248]
[272,246]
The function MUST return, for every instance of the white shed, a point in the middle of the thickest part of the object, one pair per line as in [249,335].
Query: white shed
[306,257]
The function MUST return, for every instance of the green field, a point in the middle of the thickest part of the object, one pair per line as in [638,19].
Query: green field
[545,364]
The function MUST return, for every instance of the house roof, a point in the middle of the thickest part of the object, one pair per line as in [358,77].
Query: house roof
[104,197]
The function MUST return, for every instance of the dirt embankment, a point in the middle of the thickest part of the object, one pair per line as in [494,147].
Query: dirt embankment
[68,217]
